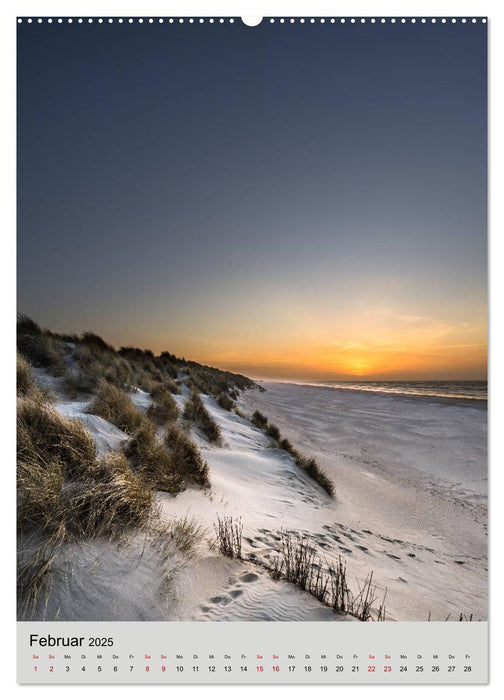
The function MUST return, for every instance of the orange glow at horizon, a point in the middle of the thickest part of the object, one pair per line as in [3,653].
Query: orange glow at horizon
[391,346]
[393,362]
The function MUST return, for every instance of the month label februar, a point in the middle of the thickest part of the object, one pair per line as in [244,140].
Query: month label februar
[157,652]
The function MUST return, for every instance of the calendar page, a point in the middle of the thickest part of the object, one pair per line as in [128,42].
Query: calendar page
[252,349]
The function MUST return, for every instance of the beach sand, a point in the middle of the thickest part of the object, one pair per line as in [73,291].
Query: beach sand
[409,505]
[411,485]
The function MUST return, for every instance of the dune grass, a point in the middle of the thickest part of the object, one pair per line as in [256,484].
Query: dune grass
[42,351]
[151,382]
[96,342]
[39,495]
[63,487]
[307,464]
[164,408]
[273,432]
[296,561]
[186,456]
[171,385]
[24,379]
[225,402]
[112,404]
[43,437]
[95,363]
[107,506]
[80,381]
[176,542]
[117,371]
[212,381]
[229,531]
[153,461]
[38,346]
[259,420]
[310,466]
[185,533]
[26,386]
[196,412]
[122,367]
[35,578]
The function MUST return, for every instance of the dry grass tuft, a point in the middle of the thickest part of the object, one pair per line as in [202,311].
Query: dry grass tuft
[43,437]
[229,536]
[24,380]
[310,466]
[35,578]
[259,420]
[120,499]
[297,562]
[80,381]
[225,402]
[196,412]
[186,457]
[164,409]
[273,432]
[112,404]
[38,346]
[185,534]
[153,461]
[25,384]
[39,491]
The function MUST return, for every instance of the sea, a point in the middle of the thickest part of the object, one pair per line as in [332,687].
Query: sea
[475,390]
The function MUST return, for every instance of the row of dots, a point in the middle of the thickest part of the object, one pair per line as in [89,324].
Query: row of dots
[110,20]
[383,20]
[292,20]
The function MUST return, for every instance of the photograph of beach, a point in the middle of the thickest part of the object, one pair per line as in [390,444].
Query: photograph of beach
[252,321]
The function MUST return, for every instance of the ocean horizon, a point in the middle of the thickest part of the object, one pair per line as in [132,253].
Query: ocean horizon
[476,390]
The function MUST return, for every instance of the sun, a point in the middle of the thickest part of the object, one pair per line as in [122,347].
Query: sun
[358,366]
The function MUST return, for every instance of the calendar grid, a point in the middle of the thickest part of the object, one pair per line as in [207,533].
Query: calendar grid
[185,652]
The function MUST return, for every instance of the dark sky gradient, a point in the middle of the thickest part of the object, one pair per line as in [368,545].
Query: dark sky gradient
[233,194]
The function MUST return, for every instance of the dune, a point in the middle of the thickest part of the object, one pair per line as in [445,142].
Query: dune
[409,505]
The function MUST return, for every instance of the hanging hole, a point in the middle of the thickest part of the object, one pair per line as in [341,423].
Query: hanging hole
[251,21]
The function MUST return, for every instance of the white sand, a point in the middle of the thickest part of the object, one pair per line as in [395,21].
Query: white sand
[411,479]
[410,505]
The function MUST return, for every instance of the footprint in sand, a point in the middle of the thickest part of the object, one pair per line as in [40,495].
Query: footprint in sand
[249,577]
[349,537]
[364,549]
[236,593]
[410,554]
[345,549]
[220,599]
[336,538]
[392,556]
[458,562]
[356,532]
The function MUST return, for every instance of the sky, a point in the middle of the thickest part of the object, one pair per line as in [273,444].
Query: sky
[285,201]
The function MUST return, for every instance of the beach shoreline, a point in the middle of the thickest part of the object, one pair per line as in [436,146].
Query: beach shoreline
[429,398]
